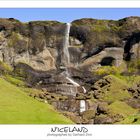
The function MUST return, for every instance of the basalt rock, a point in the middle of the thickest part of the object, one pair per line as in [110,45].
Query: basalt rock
[38,43]
[101,37]
[55,81]
[135,91]
[34,43]
[133,102]
[102,108]
[103,119]
[35,52]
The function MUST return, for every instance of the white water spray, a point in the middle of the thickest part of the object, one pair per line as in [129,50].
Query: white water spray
[82,106]
[76,84]
[84,89]
[73,82]
[66,55]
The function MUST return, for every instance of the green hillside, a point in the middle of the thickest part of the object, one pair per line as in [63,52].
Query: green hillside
[16,107]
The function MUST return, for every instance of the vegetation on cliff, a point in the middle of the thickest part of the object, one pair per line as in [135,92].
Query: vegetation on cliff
[104,57]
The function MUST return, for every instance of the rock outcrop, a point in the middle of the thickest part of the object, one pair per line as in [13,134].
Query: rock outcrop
[35,53]
[101,37]
[39,43]
[34,43]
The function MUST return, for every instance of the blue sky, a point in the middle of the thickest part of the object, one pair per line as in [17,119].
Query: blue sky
[67,14]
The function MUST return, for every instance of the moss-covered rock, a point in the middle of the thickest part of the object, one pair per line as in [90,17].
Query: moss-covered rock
[110,89]
[5,68]
[106,29]
[121,109]
[103,119]
[97,35]
[89,114]
[36,43]
[132,119]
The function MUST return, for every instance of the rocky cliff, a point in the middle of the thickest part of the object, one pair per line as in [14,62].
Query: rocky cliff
[38,43]
[97,48]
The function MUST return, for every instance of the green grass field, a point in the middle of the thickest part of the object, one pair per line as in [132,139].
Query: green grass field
[16,107]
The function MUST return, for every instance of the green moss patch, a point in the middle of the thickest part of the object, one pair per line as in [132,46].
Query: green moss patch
[105,70]
[112,88]
[5,68]
[117,95]
[116,91]
[16,107]
[132,119]
[15,80]
[122,109]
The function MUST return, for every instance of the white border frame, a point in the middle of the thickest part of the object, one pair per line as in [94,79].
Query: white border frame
[69,4]
[108,132]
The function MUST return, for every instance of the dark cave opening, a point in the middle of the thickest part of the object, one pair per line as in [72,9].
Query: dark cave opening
[107,61]
[131,41]
[2,28]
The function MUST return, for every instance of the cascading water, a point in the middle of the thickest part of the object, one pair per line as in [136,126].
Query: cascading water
[82,106]
[66,57]
[76,84]
[62,82]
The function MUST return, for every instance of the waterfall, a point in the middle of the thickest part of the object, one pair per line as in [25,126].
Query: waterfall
[73,82]
[76,84]
[66,56]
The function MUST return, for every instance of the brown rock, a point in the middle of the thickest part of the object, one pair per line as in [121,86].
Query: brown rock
[89,114]
[135,103]
[103,119]
[102,108]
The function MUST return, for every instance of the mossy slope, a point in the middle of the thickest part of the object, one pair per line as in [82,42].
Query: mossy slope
[16,107]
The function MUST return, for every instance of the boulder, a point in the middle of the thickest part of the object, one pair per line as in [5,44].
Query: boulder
[103,119]
[88,114]
[102,108]
[135,103]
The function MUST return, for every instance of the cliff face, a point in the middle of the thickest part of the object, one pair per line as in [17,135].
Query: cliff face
[103,73]
[34,43]
[106,38]
[39,43]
